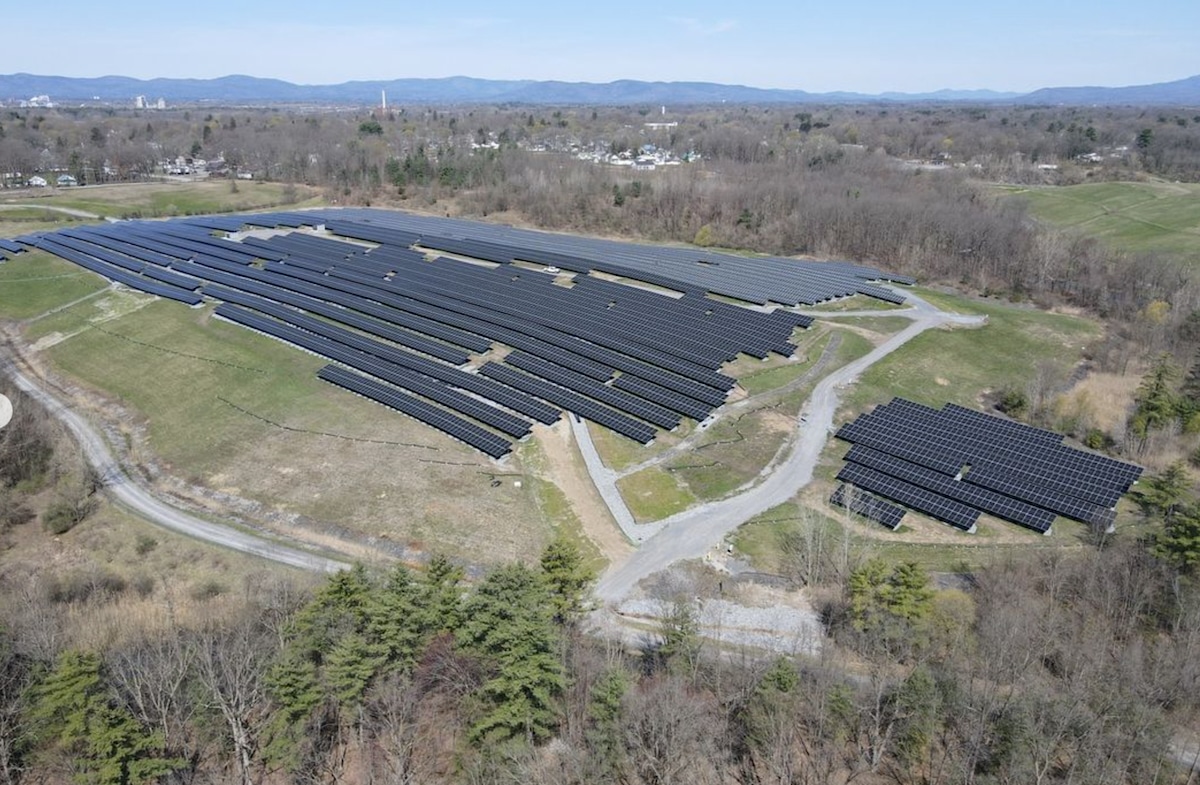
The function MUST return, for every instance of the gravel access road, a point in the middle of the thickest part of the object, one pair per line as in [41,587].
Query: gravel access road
[118,484]
[690,534]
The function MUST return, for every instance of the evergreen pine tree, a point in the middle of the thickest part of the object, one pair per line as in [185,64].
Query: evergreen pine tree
[72,713]
[508,625]
[568,579]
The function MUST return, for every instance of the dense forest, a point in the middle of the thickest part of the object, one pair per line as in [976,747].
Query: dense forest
[1072,665]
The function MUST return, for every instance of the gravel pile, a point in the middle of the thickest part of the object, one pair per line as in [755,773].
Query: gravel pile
[779,629]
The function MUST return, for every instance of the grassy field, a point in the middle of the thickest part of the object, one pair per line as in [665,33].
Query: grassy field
[33,283]
[158,200]
[653,494]
[1133,216]
[235,412]
[964,364]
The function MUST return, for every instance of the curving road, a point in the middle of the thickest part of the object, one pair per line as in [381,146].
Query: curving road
[127,492]
[690,534]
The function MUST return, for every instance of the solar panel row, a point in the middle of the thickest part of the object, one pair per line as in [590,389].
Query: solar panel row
[391,373]
[557,308]
[120,275]
[303,295]
[753,279]
[572,401]
[618,399]
[629,359]
[867,505]
[1093,477]
[480,439]
[957,514]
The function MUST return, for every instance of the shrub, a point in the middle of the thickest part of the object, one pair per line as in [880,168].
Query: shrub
[81,586]
[1013,402]
[207,590]
[60,518]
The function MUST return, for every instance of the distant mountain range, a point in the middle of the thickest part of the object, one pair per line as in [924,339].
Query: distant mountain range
[243,90]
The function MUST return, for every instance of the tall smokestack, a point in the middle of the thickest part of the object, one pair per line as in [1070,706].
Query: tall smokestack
[383,96]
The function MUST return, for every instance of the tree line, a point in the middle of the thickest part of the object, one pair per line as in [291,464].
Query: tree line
[1056,667]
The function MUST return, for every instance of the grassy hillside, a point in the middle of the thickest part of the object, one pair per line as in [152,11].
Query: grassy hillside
[963,364]
[1132,216]
[160,200]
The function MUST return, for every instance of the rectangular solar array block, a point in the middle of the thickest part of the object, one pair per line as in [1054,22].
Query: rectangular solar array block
[991,464]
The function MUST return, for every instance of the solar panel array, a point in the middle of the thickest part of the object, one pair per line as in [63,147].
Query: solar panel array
[954,464]
[441,312]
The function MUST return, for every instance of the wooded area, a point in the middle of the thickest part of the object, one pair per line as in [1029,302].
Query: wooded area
[1059,668]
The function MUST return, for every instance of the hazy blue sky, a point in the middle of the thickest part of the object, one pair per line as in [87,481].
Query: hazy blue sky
[865,46]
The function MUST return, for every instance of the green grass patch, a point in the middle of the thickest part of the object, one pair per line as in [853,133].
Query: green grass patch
[759,376]
[554,507]
[173,365]
[34,283]
[852,347]
[857,302]
[1132,216]
[17,214]
[733,452]
[653,494]
[556,510]
[778,376]
[619,452]
[155,200]
[885,325]
[961,364]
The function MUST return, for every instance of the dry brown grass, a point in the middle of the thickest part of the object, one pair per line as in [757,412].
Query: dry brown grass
[114,578]
[1101,400]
